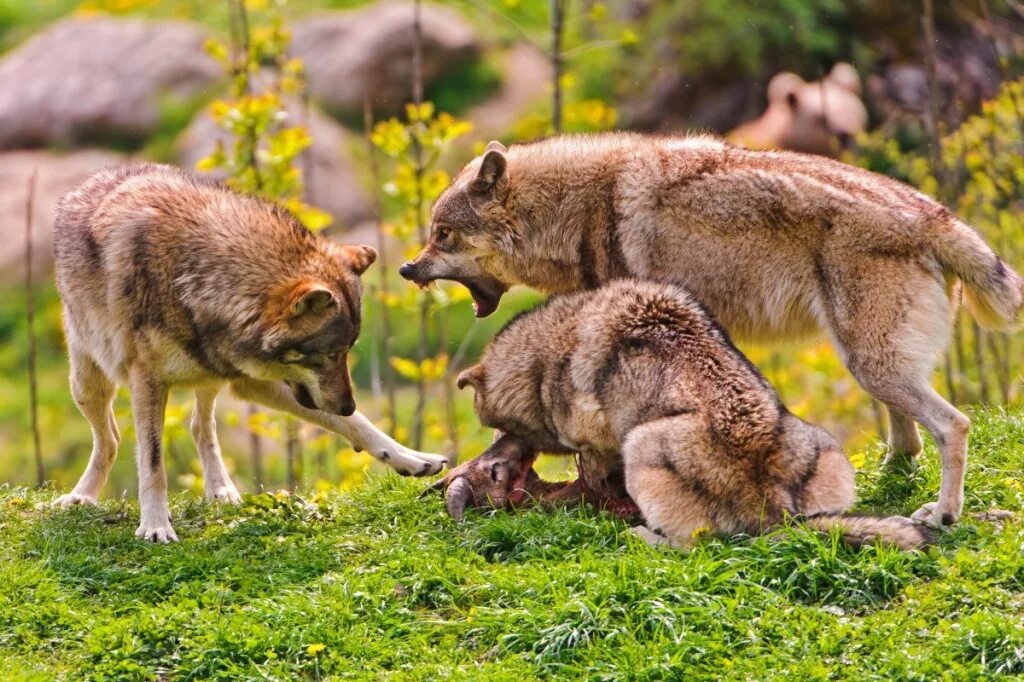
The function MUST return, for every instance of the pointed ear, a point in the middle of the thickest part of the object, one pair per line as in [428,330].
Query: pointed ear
[309,296]
[360,257]
[474,376]
[785,86]
[845,76]
[495,146]
[493,171]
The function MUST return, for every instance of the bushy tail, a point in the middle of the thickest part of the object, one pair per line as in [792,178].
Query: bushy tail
[864,530]
[993,291]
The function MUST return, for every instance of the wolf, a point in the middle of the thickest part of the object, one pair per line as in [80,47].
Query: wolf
[777,245]
[638,375]
[169,279]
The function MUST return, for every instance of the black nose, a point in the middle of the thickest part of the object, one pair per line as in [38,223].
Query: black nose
[347,408]
[407,270]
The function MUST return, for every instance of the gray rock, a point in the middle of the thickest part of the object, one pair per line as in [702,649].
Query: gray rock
[369,51]
[100,78]
[57,173]
[331,181]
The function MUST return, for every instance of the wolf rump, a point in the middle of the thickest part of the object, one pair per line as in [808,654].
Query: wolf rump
[777,245]
[637,375]
[171,280]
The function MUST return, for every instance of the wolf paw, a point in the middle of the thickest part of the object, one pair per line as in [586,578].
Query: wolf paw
[931,515]
[225,492]
[649,536]
[412,463]
[71,499]
[156,532]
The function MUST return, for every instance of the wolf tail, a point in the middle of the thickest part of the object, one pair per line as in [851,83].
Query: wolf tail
[993,291]
[898,531]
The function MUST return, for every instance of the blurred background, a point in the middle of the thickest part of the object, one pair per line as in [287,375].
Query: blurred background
[308,103]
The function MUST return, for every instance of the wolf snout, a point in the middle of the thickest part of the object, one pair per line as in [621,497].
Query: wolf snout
[408,270]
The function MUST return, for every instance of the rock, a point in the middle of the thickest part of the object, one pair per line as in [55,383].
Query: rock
[57,173]
[98,78]
[331,182]
[350,54]
[524,74]
[821,117]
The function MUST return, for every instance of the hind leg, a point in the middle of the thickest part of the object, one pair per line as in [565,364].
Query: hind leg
[216,480]
[149,403]
[94,394]
[891,321]
[905,442]
[661,462]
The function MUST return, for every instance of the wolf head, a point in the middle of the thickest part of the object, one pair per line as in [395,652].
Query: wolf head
[308,325]
[473,228]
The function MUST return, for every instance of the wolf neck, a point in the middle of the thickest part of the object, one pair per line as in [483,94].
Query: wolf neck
[568,208]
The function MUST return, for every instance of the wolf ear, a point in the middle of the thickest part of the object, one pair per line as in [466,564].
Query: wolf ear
[493,170]
[361,257]
[474,376]
[786,87]
[309,297]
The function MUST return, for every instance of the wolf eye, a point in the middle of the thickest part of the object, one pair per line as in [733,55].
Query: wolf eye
[291,356]
[444,232]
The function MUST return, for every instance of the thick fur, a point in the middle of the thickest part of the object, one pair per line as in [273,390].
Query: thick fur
[168,279]
[777,245]
[639,375]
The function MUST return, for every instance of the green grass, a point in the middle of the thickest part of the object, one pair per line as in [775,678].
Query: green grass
[389,587]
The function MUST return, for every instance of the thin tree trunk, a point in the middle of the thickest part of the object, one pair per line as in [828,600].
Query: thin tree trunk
[933,125]
[961,357]
[979,361]
[1002,368]
[387,378]
[293,455]
[451,420]
[255,447]
[30,317]
[557,28]
[421,229]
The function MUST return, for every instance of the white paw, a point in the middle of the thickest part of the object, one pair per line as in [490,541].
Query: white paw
[72,499]
[156,531]
[224,492]
[412,463]
[931,515]
[649,536]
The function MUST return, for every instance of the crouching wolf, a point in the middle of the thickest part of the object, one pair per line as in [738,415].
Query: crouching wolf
[168,279]
[638,375]
[777,245]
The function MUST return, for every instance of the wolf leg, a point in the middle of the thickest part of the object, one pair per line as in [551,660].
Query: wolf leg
[149,402]
[357,429]
[94,394]
[891,327]
[904,440]
[216,480]
[659,460]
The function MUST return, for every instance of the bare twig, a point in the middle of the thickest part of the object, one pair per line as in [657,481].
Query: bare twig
[30,316]
[386,377]
[293,454]
[255,447]
[421,229]
[557,27]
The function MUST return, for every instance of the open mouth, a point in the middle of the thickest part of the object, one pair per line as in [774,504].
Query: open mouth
[303,396]
[485,290]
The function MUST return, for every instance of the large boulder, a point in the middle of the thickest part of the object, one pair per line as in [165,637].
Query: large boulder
[99,78]
[331,181]
[349,55]
[56,174]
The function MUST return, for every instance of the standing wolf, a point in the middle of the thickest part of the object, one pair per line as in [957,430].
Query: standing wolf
[168,279]
[777,245]
[638,376]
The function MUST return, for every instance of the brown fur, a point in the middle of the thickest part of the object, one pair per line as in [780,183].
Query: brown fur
[168,279]
[638,374]
[821,117]
[777,245]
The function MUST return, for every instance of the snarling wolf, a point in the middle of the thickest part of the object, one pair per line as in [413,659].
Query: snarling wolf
[168,279]
[638,375]
[777,245]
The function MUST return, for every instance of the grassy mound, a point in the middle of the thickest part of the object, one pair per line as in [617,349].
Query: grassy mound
[378,584]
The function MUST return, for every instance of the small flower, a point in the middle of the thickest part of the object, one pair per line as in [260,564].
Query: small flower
[314,649]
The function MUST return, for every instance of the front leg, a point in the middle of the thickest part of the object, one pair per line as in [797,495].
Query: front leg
[357,429]
[149,401]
